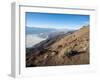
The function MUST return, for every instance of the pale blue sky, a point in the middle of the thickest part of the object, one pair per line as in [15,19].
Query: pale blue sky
[58,21]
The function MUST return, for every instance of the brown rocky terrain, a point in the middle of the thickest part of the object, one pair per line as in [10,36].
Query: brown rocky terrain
[66,49]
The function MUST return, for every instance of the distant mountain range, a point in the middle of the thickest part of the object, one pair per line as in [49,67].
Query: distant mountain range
[46,32]
[37,30]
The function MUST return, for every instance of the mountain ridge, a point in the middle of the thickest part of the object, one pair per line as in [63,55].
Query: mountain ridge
[65,49]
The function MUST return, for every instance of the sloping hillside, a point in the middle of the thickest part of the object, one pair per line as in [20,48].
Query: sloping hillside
[65,49]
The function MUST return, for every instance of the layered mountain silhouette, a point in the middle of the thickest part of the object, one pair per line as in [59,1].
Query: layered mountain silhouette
[71,48]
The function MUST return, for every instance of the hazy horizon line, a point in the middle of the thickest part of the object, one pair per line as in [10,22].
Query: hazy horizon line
[70,28]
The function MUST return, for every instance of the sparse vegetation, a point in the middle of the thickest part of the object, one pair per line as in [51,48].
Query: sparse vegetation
[59,50]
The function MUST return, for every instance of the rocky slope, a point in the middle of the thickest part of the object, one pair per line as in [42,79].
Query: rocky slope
[65,49]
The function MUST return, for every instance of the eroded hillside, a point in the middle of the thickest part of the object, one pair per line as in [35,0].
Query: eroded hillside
[66,49]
